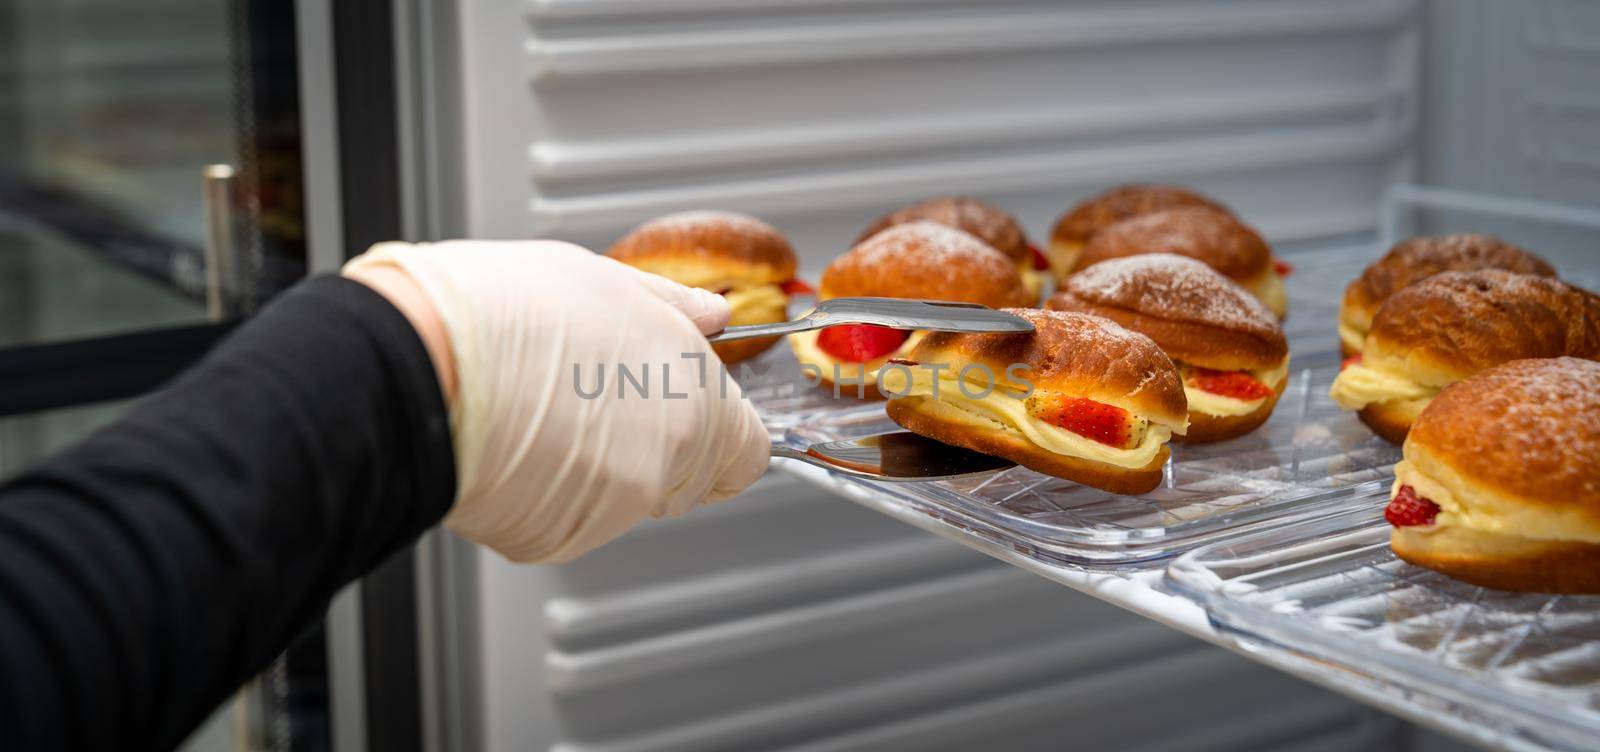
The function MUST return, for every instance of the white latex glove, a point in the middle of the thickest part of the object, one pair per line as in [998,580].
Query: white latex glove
[543,474]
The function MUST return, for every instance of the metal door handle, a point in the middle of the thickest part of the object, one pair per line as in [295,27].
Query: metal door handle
[220,259]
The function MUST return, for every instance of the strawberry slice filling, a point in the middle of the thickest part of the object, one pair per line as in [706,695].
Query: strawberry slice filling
[1235,384]
[1350,361]
[1283,268]
[859,343]
[796,286]
[1407,509]
[1040,261]
[1099,421]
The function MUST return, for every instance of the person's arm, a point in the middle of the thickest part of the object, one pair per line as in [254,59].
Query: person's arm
[148,572]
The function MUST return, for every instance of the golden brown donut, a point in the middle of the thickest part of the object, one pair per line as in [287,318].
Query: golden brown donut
[1501,484]
[1391,420]
[1090,216]
[1203,321]
[708,248]
[917,259]
[1416,259]
[1211,236]
[987,222]
[735,351]
[922,259]
[1454,324]
[1073,369]
[744,259]
[1205,427]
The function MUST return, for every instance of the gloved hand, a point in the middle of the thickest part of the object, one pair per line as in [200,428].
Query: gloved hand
[549,467]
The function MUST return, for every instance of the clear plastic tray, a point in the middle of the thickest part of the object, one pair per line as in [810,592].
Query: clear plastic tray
[1308,456]
[1308,460]
[1331,590]
[772,382]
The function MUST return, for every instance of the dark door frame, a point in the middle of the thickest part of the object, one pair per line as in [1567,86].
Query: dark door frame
[367,111]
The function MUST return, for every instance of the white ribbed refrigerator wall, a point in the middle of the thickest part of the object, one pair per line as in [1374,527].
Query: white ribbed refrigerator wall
[787,618]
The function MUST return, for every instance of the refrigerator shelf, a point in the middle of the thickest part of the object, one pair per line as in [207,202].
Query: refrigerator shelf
[1309,459]
[1523,667]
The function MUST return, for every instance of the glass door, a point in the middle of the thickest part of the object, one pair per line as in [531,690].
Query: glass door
[132,130]
[150,194]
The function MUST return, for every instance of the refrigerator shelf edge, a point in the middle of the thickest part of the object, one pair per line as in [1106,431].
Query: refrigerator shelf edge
[1147,593]
[1526,666]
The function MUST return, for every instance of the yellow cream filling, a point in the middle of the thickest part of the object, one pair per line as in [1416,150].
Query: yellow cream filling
[807,351]
[1272,293]
[1062,257]
[1485,512]
[1353,339]
[1010,413]
[1032,281]
[756,304]
[1201,401]
[696,272]
[1359,385]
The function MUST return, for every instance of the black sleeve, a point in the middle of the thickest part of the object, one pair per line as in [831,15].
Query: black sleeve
[148,572]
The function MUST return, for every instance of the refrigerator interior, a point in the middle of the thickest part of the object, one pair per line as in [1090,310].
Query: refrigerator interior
[793,618]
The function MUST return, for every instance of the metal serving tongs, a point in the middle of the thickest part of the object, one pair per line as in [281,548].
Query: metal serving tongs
[898,456]
[894,313]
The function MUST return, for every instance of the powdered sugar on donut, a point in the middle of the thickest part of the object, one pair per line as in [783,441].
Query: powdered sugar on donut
[1467,251]
[1199,232]
[1174,288]
[1531,427]
[1481,318]
[935,244]
[1093,331]
[926,260]
[1415,259]
[711,219]
[1124,202]
[989,223]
